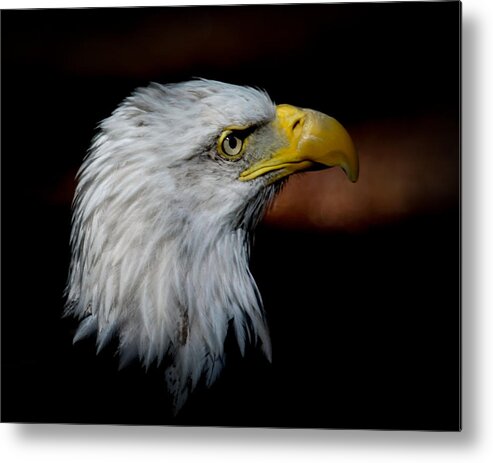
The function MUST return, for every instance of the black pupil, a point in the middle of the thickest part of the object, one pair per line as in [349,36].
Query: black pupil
[232,141]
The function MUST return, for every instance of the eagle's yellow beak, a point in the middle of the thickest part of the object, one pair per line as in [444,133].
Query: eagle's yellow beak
[313,140]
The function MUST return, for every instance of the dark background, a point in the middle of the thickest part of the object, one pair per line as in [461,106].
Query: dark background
[365,318]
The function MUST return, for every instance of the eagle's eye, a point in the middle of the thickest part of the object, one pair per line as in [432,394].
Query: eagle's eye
[232,143]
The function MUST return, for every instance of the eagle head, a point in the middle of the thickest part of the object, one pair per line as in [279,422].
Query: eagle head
[167,198]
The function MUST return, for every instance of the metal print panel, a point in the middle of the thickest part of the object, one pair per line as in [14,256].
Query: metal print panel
[232,216]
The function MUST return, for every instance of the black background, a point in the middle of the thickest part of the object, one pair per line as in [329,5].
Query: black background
[365,325]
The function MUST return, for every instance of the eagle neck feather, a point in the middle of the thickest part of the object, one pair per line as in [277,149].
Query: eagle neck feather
[170,291]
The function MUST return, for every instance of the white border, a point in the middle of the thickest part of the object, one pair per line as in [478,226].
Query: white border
[59,443]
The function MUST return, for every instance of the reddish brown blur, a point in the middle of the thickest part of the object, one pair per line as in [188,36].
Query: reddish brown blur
[406,168]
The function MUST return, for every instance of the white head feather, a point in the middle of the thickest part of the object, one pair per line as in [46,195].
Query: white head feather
[161,226]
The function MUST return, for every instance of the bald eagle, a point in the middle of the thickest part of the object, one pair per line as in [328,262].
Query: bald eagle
[167,199]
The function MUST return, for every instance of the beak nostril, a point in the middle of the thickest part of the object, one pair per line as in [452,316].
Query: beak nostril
[297,122]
